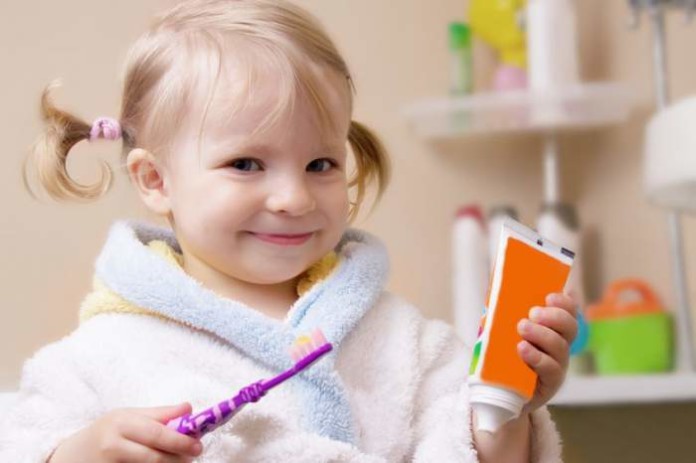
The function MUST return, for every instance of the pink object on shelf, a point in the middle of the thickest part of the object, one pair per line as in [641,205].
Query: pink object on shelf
[510,78]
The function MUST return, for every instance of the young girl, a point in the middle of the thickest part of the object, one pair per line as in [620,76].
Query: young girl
[235,124]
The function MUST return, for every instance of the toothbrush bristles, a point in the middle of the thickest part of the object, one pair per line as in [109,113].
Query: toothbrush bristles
[305,345]
[318,338]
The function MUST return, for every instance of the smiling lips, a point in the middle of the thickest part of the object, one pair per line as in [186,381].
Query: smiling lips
[284,240]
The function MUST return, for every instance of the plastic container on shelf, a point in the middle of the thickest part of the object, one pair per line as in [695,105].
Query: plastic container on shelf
[630,336]
[496,218]
[461,73]
[469,271]
[552,47]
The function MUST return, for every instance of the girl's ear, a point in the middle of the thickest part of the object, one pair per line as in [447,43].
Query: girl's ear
[148,176]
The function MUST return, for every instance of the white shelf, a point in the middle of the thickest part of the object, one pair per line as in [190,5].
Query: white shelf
[577,107]
[617,390]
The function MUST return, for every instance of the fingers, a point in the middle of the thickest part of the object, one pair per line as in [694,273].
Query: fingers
[547,368]
[563,301]
[545,348]
[546,341]
[558,319]
[158,436]
[130,451]
[140,427]
[165,414]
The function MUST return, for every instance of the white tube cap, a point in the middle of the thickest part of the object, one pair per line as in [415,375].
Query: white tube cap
[490,418]
[494,406]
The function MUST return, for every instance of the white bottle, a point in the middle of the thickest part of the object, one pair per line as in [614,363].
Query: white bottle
[470,271]
[496,218]
[552,47]
[558,222]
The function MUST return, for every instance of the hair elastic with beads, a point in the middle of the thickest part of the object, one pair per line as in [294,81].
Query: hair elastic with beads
[107,128]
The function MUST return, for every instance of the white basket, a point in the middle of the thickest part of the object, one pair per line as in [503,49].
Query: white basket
[670,156]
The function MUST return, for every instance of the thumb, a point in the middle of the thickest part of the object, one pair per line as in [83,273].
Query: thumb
[166,413]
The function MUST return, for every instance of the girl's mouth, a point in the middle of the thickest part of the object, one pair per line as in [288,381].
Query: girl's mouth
[283,239]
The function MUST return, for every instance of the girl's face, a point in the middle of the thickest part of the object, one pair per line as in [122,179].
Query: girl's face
[260,210]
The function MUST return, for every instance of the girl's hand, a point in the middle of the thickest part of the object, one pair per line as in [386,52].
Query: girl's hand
[547,335]
[132,435]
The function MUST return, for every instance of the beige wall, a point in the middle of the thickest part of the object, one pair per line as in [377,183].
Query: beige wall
[397,51]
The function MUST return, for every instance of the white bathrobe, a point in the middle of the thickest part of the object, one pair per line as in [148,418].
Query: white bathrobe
[394,388]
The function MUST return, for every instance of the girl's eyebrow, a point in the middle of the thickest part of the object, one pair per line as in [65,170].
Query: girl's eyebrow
[235,148]
[241,148]
[253,147]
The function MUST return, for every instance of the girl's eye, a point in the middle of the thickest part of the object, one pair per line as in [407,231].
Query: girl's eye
[321,165]
[245,164]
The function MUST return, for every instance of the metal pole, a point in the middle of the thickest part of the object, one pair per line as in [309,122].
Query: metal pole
[551,170]
[684,347]
[657,15]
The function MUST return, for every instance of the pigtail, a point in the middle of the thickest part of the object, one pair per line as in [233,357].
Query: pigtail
[371,162]
[49,154]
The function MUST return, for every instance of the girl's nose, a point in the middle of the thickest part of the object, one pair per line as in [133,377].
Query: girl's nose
[291,197]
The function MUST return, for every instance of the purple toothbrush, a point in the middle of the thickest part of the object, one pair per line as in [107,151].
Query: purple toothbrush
[304,351]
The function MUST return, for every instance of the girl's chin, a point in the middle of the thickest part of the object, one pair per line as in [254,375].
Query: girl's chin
[275,277]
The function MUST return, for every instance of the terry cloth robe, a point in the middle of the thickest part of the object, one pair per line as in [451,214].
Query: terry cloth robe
[392,390]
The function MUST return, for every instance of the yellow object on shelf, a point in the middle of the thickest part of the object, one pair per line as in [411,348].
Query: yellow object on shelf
[498,23]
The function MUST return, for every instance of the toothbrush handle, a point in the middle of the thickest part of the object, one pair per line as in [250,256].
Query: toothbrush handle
[212,418]
[298,367]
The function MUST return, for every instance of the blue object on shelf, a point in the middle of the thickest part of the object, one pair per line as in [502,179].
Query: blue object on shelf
[580,343]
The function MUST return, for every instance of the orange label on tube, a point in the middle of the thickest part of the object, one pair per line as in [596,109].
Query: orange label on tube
[528,276]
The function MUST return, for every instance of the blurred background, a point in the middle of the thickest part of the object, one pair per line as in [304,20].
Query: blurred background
[471,128]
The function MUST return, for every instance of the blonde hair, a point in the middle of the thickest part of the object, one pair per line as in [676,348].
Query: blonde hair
[161,79]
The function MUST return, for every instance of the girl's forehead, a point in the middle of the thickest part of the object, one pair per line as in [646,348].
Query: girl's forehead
[246,130]
[241,102]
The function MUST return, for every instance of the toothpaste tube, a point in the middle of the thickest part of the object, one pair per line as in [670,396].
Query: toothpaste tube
[527,269]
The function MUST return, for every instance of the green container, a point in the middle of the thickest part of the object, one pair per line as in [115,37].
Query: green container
[632,344]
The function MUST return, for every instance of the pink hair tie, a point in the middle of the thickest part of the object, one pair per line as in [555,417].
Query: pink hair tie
[105,127]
